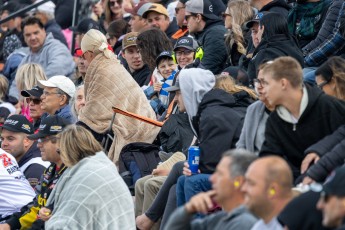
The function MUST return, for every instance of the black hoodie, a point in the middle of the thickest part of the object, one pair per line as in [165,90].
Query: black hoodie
[277,6]
[276,46]
[218,124]
[322,116]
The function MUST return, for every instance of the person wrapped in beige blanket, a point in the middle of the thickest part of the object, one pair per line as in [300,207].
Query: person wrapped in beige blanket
[107,85]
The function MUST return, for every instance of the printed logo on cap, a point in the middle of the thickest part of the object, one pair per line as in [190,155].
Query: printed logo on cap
[183,41]
[131,39]
[42,127]
[210,8]
[10,122]
[26,127]
[56,128]
[165,53]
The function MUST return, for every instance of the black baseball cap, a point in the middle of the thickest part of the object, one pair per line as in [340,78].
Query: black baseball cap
[335,183]
[257,18]
[36,91]
[49,126]
[19,124]
[162,55]
[85,25]
[186,42]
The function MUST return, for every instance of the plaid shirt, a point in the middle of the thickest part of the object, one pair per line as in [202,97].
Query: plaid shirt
[334,42]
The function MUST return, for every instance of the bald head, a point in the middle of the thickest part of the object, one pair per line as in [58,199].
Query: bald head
[276,170]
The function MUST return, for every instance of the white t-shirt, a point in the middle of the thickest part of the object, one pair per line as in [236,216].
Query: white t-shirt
[15,190]
[272,225]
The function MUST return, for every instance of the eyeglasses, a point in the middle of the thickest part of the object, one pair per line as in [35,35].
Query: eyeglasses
[185,52]
[322,84]
[113,3]
[224,15]
[51,138]
[259,82]
[83,55]
[186,17]
[177,9]
[36,101]
[324,196]
[46,93]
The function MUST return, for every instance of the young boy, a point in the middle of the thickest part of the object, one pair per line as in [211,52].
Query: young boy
[162,78]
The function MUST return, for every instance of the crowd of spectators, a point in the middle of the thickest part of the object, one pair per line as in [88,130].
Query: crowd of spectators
[258,86]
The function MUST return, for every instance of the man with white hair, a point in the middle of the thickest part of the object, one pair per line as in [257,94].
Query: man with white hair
[45,13]
[57,92]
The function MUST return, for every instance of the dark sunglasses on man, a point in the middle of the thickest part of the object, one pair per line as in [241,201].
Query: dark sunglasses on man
[36,101]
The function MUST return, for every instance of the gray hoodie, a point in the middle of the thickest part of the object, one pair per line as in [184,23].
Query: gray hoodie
[54,57]
[194,84]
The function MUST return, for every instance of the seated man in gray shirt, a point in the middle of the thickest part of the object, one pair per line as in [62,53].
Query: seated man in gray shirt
[226,191]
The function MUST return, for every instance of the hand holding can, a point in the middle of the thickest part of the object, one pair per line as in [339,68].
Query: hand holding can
[193,159]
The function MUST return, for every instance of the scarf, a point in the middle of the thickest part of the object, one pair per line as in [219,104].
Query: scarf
[303,18]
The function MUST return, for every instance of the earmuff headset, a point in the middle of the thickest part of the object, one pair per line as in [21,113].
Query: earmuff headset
[198,53]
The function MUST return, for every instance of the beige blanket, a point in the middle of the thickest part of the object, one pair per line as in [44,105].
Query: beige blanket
[108,84]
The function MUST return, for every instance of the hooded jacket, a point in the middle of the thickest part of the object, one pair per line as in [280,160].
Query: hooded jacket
[216,116]
[271,48]
[211,39]
[54,57]
[277,6]
[320,116]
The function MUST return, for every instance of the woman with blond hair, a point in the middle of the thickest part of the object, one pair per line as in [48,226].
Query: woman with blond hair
[107,84]
[91,194]
[27,77]
[236,14]
[6,100]
[112,11]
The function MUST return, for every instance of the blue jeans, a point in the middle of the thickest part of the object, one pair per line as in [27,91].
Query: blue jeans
[188,186]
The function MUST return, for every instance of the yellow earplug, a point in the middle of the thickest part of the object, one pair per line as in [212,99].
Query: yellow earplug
[272,191]
[236,183]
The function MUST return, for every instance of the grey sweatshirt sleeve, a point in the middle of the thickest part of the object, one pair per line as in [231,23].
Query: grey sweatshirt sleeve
[179,220]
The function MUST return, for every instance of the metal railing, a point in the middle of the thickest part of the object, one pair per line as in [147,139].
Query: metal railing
[35,5]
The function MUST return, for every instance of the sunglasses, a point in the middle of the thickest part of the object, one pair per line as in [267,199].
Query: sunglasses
[78,52]
[177,9]
[113,3]
[322,84]
[224,15]
[36,101]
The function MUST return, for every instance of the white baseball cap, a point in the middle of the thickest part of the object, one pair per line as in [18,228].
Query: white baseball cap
[61,82]
[48,7]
